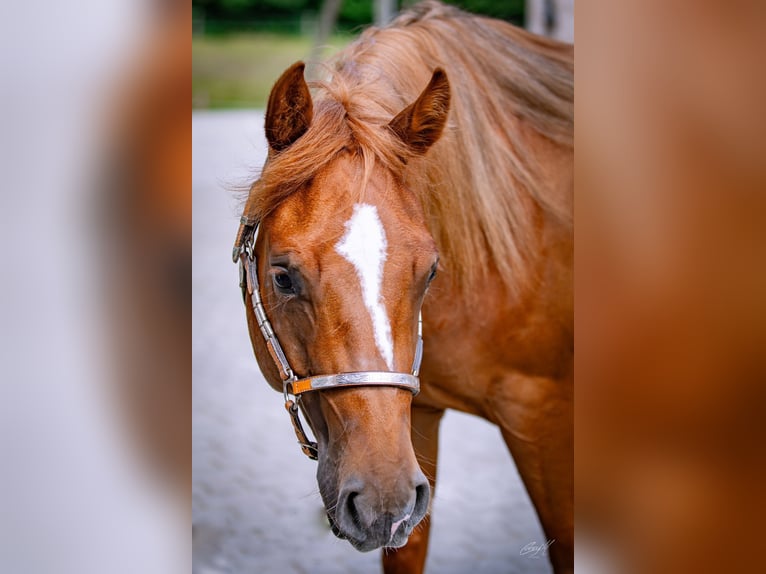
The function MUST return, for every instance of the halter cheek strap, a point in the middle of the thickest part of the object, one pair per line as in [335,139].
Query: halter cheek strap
[244,251]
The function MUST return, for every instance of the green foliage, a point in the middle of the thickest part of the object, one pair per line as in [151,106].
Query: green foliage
[238,15]
[289,5]
[355,13]
[235,5]
[511,10]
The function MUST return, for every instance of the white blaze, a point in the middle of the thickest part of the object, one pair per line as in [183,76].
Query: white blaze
[364,246]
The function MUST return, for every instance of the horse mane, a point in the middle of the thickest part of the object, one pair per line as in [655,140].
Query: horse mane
[480,184]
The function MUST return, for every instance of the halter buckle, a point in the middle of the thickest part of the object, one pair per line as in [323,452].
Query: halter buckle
[308,447]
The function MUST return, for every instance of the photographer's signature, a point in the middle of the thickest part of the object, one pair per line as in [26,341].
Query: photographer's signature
[535,550]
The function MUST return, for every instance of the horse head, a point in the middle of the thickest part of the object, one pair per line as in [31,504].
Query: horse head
[344,259]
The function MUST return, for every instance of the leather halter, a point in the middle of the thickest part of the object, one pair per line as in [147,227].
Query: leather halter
[244,252]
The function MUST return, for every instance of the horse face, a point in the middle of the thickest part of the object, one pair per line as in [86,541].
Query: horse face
[343,281]
[344,265]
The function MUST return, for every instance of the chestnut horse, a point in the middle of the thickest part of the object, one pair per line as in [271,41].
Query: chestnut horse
[441,142]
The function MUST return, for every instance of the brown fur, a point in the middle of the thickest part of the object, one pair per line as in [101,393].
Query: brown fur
[493,195]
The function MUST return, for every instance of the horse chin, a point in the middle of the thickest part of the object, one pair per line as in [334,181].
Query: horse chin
[397,540]
[361,546]
[365,545]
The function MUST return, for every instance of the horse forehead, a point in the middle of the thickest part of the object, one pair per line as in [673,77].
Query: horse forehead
[326,204]
[324,200]
[315,218]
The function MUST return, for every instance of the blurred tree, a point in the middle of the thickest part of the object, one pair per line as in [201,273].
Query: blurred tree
[352,14]
[355,13]
[327,19]
[510,10]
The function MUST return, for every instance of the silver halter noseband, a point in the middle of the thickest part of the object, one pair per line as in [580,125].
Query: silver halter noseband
[244,252]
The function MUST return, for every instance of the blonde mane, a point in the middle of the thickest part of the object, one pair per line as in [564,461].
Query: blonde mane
[480,184]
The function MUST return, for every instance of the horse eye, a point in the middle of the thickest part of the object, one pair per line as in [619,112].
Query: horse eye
[432,275]
[283,283]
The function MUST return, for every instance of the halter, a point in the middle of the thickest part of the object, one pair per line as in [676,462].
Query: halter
[244,252]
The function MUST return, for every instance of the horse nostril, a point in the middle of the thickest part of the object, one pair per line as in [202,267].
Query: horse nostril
[348,515]
[353,513]
[422,496]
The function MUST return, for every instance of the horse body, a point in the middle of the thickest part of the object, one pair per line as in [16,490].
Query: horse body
[474,172]
[510,361]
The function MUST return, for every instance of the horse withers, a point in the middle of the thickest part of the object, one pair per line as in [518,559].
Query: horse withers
[442,142]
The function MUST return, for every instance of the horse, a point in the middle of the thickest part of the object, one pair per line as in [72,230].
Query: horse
[417,204]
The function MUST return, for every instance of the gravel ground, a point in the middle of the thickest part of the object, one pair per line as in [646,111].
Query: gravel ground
[256,506]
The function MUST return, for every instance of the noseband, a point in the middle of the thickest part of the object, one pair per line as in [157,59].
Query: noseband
[244,251]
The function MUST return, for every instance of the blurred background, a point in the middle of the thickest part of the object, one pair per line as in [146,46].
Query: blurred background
[240,47]
[95,334]
[95,329]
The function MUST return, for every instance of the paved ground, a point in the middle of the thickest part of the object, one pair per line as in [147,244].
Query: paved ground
[256,504]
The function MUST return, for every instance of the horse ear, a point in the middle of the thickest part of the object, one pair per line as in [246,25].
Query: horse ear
[420,124]
[290,109]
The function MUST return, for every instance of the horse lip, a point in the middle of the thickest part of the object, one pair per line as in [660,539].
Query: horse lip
[402,522]
[398,538]
[364,545]
[361,545]
[334,528]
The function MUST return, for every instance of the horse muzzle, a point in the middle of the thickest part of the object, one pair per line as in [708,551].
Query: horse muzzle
[372,516]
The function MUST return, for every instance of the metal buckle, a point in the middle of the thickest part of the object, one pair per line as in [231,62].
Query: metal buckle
[308,447]
[287,391]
